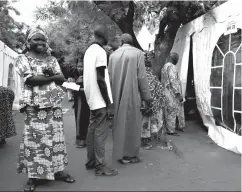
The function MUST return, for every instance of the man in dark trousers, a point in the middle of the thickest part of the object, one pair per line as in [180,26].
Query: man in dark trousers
[99,98]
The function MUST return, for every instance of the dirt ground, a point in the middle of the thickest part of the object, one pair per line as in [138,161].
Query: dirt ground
[196,163]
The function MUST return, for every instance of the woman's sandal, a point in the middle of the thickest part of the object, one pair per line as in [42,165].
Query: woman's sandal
[64,177]
[31,185]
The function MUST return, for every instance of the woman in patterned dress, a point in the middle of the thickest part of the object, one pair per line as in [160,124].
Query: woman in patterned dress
[7,127]
[42,150]
[152,126]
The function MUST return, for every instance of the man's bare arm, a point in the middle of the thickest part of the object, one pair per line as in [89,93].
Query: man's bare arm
[102,84]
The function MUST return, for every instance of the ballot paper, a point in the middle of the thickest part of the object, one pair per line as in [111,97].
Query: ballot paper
[71,85]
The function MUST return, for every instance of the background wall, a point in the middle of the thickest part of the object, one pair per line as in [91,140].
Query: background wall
[8,76]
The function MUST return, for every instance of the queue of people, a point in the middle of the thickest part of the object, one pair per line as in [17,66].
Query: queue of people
[122,89]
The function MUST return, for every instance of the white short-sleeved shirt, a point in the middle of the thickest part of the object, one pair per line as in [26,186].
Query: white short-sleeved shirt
[94,57]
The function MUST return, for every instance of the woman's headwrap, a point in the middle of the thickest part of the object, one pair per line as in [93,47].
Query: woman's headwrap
[33,31]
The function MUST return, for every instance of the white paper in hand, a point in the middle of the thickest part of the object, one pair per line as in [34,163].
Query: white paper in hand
[184,100]
[71,85]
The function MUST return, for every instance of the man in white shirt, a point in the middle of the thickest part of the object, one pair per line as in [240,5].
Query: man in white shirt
[99,98]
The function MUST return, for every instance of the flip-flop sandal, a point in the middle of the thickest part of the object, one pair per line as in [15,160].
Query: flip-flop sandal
[30,187]
[66,178]
[173,134]
[109,172]
[123,162]
[136,160]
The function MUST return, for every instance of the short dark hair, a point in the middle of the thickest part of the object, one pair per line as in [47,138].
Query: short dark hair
[101,31]
[126,38]
[173,58]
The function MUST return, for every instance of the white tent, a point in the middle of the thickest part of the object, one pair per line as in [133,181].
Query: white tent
[217,51]
[8,76]
[145,38]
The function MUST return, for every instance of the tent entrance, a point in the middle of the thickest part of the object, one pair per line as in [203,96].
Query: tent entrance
[190,106]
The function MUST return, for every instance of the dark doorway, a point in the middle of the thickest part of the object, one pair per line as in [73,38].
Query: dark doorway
[190,106]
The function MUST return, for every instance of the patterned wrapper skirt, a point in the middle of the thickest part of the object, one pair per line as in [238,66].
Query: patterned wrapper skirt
[42,148]
[152,125]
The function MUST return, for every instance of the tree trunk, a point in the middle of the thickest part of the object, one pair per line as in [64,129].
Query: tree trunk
[163,46]
[127,27]
[125,23]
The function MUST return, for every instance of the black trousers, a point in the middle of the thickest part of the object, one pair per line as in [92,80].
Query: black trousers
[82,115]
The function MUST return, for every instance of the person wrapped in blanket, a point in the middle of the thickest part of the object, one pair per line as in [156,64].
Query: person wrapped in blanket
[43,153]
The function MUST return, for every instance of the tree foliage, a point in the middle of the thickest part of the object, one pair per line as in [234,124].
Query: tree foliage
[10,30]
[129,16]
[71,29]
[174,15]
[166,16]
[123,14]
[51,11]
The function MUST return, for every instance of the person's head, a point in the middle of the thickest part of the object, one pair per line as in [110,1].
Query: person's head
[101,34]
[79,66]
[36,40]
[126,39]
[173,58]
